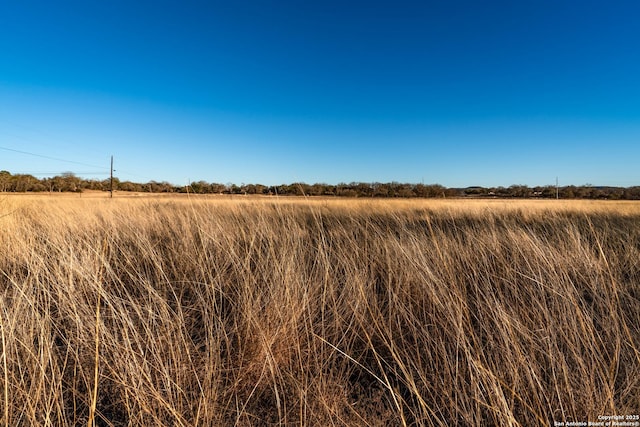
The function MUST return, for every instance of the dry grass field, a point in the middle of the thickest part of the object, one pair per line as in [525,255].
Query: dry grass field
[182,311]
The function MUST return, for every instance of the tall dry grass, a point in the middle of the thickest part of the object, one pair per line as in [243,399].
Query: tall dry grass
[256,312]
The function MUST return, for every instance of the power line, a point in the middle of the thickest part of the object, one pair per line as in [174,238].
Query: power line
[58,173]
[103,171]
[50,158]
[48,135]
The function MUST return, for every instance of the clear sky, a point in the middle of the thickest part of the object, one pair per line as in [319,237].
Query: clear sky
[452,92]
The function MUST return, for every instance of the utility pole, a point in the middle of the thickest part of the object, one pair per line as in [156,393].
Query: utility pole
[557,191]
[111,180]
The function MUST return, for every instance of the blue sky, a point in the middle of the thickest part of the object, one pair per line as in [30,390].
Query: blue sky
[452,92]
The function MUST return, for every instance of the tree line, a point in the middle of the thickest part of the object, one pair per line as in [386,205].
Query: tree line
[69,182]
